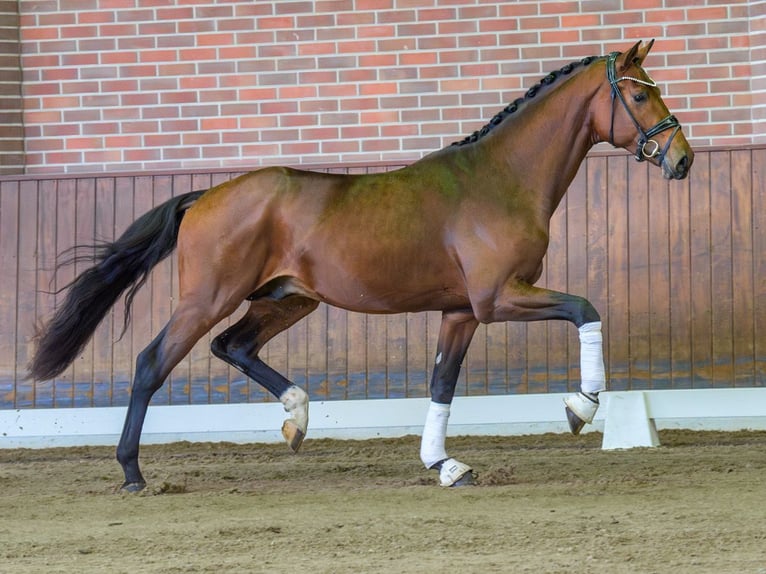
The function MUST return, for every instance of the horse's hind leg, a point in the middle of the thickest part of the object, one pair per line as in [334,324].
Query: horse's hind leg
[187,324]
[455,334]
[239,346]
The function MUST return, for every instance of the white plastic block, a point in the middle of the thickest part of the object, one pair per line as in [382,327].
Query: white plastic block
[627,423]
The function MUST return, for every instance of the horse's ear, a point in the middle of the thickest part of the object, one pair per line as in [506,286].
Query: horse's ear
[632,56]
[642,53]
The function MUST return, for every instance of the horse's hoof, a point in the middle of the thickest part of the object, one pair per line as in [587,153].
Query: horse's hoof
[580,409]
[132,487]
[576,424]
[296,403]
[466,480]
[293,435]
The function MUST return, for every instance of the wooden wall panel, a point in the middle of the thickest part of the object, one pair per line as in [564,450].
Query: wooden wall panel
[676,270]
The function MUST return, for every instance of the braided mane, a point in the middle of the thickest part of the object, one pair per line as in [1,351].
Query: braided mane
[531,93]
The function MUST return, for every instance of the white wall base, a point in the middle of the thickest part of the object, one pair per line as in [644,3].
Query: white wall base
[708,409]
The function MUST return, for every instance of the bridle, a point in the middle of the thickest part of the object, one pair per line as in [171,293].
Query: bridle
[644,139]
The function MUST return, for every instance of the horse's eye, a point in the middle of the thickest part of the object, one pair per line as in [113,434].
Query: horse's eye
[639,97]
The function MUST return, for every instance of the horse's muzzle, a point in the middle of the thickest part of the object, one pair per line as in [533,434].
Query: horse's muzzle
[678,171]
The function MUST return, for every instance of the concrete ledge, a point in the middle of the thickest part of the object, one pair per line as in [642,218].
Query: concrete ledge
[708,409]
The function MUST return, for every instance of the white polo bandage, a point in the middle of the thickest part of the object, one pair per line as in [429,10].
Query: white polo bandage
[434,434]
[592,374]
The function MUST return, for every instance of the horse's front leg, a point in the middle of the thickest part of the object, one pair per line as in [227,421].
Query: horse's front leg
[581,407]
[519,301]
[457,329]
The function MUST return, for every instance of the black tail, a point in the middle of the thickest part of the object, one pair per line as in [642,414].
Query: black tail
[120,266]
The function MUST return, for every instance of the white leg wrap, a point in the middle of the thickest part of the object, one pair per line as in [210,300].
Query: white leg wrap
[582,406]
[592,374]
[451,471]
[296,403]
[434,434]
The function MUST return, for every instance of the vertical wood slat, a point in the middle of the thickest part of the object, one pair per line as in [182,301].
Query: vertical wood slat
[85,231]
[497,362]
[27,284]
[396,358]
[66,225]
[616,316]
[675,269]
[123,349]
[658,237]
[475,365]
[680,285]
[721,261]
[317,326]
[747,282]
[597,255]
[9,277]
[758,181]
[46,279]
[699,272]
[103,381]
[419,364]
[639,276]
[337,353]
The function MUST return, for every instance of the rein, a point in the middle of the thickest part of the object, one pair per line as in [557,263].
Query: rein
[644,140]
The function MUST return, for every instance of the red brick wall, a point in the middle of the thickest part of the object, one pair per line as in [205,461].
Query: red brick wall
[11,129]
[758,63]
[148,84]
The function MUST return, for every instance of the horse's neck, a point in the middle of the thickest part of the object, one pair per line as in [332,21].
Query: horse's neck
[541,150]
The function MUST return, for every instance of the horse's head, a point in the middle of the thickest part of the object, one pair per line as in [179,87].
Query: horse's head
[635,117]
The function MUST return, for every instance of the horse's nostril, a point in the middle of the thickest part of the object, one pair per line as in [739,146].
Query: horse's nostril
[683,165]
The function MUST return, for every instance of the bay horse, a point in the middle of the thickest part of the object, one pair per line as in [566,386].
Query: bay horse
[463,231]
